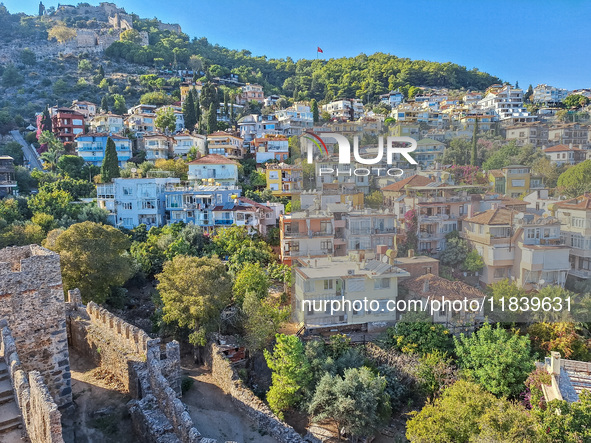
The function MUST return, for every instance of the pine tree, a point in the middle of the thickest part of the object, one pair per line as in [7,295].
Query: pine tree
[105,103]
[314,108]
[189,111]
[474,158]
[212,121]
[110,166]
[529,94]
[101,71]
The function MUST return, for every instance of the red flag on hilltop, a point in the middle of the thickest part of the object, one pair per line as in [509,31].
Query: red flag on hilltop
[319,50]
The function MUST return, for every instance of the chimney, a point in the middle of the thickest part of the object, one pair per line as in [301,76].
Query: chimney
[426,286]
[555,363]
[315,263]
[570,146]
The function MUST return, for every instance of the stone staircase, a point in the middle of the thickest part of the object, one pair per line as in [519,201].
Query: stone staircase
[10,414]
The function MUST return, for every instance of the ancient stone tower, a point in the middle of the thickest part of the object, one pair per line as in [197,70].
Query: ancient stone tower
[32,301]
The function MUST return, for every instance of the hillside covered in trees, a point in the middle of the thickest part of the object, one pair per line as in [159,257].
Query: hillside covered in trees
[364,76]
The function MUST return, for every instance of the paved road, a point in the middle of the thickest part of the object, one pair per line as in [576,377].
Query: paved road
[29,152]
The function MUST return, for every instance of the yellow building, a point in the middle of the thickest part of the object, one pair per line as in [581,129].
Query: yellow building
[513,181]
[186,87]
[284,180]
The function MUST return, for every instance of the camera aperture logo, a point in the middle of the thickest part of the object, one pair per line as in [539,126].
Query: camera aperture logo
[393,147]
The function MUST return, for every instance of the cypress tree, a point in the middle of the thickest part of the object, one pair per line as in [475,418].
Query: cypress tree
[474,158]
[105,103]
[225,103]
[212,121]
[189,111]
[110,166]
[46,121]
[315,115]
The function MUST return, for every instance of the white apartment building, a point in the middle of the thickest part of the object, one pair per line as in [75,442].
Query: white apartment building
[109,123]
[344,109]
[548,95]
[294,120]
[321,280]
[157,147]
[214,168]
[184,142]
[507,103]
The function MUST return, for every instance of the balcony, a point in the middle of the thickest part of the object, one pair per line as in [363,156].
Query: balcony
[320,233]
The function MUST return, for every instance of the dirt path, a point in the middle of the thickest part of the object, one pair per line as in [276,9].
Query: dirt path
[215,415]
[101,413]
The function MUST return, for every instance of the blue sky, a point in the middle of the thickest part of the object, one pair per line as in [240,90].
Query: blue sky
[530,41]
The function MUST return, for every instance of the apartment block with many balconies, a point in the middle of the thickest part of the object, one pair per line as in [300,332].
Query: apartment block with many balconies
[91,147]
[524,248]
[134,201]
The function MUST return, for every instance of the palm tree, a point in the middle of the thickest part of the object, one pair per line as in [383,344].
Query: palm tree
[50,159]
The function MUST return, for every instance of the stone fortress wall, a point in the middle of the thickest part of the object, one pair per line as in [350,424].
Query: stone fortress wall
[31,301]
[152,377]
[40,414]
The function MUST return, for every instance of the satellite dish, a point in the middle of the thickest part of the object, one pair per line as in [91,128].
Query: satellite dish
[134,170]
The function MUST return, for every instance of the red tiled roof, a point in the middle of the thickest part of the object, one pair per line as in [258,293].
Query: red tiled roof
[581,202]
[221,134]
[430,285]
[255,204]
[413,180]
[497,216]
[561,148]
[213,159]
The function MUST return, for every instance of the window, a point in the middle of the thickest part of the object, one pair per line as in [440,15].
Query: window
[127,205]
[584,264]
[499,273]
[327,284]
[577,222]
[127,222]
[381,283]
[127,190]
[326,245]
[518,183]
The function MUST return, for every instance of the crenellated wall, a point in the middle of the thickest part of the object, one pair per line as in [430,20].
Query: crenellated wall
[40,415]
[152,377]
[32,301]
[160,403]
[228,380]
[108,341]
